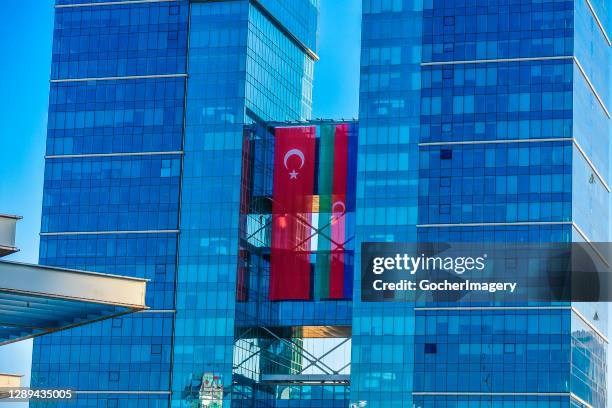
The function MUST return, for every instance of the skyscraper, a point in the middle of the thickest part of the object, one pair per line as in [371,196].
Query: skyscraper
[181,149]
[482,121]
[147,106]
[112,189]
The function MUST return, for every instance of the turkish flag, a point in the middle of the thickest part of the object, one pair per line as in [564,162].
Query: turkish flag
[294,169]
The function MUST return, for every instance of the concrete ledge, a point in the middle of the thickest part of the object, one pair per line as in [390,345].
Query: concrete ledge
[70,284]
[36,300]
[8,225]
[8,381]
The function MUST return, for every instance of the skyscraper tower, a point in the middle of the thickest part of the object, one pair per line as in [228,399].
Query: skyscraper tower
[147,106]
[483,121]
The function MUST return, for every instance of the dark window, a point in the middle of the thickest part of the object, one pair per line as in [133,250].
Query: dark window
[160,269]
[449,21]
[446,154]
[431,348]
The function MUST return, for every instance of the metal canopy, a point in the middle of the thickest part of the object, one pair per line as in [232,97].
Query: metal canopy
[36,300]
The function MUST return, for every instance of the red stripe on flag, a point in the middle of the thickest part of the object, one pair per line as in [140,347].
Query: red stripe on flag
[336,274]
[294,167]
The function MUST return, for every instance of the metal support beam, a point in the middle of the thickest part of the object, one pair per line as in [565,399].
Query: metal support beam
[306,379]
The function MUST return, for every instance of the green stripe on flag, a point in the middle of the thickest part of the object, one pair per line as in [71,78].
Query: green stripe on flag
[326,178]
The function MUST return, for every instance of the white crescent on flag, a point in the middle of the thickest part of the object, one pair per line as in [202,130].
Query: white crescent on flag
[294,152]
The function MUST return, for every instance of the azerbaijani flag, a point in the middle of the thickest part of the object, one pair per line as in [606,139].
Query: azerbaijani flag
[336,189]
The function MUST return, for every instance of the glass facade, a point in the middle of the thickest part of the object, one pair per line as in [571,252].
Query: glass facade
[206,279]
[243,67]
[478,121]
[383,353]
[137,152]
[505,135]
[111,194]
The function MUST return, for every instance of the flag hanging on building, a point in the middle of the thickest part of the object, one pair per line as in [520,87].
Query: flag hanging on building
[336,172]
[338,214]
[293,187]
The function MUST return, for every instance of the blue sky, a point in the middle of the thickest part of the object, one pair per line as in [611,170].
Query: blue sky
[25,30]
[336,87]
[23,110]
